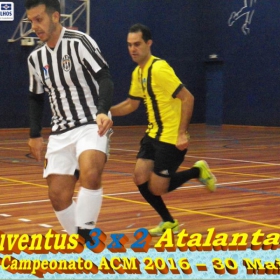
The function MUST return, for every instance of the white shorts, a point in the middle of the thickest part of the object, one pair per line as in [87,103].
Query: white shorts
[64,149]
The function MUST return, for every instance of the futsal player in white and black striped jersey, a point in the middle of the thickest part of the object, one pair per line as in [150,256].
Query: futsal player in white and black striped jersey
[69,67]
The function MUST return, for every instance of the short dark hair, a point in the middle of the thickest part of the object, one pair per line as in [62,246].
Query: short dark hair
[51,5]
[146,33]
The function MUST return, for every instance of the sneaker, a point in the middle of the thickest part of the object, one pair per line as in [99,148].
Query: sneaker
[206,177]
[161,228]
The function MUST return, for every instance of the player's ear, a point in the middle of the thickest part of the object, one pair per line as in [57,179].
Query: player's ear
[56,17]
[150,42]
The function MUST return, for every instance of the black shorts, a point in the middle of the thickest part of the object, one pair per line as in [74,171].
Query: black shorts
[167,158]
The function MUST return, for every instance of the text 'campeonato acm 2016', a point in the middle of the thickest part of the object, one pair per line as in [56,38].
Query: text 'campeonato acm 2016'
[54,243]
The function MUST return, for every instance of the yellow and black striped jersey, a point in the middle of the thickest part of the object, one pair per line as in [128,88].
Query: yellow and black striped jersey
[157,85]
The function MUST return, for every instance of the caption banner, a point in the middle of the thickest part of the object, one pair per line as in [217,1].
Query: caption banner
[186,256]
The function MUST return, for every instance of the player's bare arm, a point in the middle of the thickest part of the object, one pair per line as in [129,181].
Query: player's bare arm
[126,107]
[104,123]
[187,100]
[36,147]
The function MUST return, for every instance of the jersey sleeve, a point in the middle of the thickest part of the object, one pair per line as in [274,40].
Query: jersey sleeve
[135,91]
[35,85]
[91,55]
[166,77]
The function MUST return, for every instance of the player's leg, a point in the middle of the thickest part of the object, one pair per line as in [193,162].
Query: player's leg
[143,170]
[60,165]
[89,198]
[199,171]
[61,190]
[141,176]
[167,160]
[92,155]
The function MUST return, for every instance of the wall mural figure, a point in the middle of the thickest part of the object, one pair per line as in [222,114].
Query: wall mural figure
[248,11]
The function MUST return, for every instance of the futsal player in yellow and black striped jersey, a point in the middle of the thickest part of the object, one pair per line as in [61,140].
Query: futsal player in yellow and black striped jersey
[169,108]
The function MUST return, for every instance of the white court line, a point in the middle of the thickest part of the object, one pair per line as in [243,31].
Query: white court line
[23,202]
[135,192]
[237,160]
[45,225]
[202,186]
[186,187]
[24,220]
[222,159]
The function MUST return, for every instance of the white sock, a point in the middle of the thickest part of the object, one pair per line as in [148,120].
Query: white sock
[88,207]
[66,218]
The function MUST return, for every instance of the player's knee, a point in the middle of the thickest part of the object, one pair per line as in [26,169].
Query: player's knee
[56,204]
[90,179]
[136,180]
[59,200]
[158,185]
[155,190]
[139,178]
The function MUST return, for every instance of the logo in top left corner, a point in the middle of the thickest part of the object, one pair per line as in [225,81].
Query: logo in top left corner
[6,11]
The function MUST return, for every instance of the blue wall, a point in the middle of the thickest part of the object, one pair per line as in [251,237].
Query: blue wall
[251,63]
[174,26]
[185,33]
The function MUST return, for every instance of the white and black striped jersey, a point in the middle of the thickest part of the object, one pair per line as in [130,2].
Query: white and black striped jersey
[67,74]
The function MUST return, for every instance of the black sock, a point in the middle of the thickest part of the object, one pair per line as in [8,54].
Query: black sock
[156,202]
[85,234]
[179,178]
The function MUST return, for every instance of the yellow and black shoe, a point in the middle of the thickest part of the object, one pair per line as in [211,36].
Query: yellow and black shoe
[163,226]
[206,177]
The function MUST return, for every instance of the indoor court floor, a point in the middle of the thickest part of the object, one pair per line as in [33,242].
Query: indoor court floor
[244,159]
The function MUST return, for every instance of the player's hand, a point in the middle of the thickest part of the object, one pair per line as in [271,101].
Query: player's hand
[104,123]
[36,147]
[183,141]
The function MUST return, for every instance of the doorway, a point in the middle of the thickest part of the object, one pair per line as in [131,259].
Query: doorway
[214,93]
